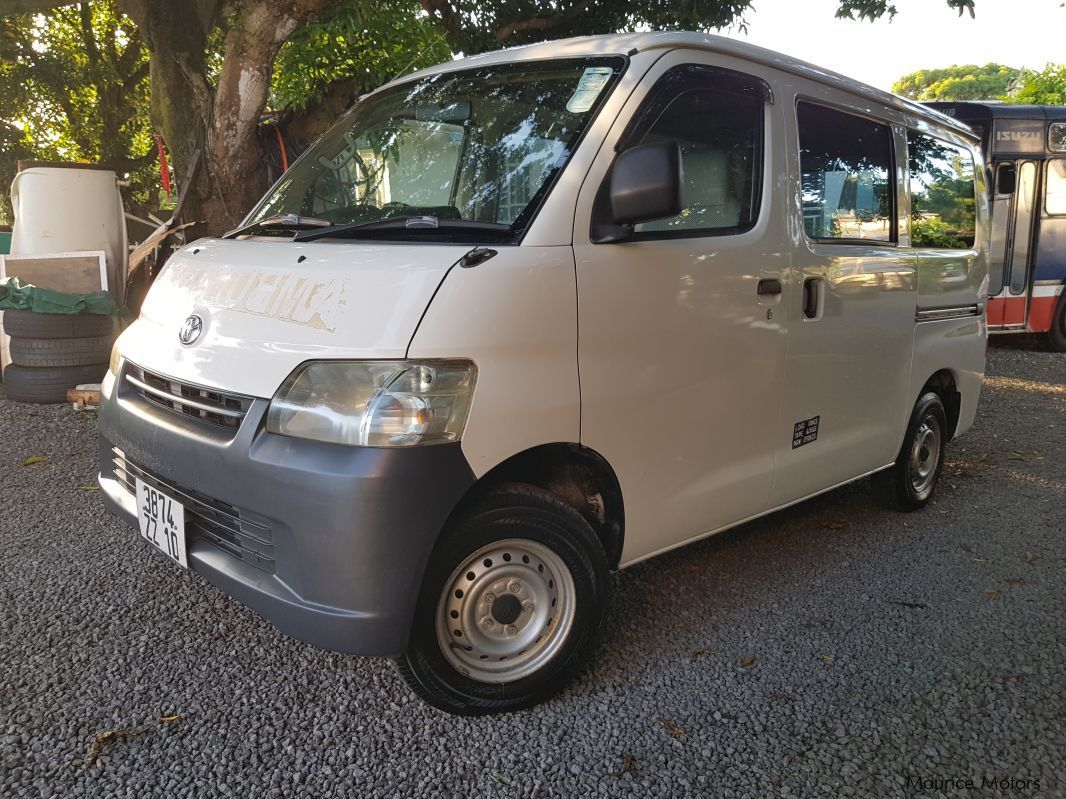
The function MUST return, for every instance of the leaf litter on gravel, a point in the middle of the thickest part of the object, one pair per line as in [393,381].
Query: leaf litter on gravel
[109,737]
[673,729]
[628,761]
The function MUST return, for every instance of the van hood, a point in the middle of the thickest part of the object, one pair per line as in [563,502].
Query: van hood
[267,306]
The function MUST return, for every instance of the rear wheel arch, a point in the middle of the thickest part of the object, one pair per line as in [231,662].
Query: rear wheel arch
[577,475]
[945,384]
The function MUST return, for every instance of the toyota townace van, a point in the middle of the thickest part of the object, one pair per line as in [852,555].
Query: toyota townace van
[525,318]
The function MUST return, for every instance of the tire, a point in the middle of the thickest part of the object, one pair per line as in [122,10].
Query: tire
[26,384]
[47,352]
[1057,334]
[910,483]
[27,324]
[499,541]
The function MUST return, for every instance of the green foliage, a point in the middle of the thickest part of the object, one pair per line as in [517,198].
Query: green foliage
[75,79]
[875,9]
[360,43]
[492,24]
[75,87]
[1046,87]
[934,232]
[967,82]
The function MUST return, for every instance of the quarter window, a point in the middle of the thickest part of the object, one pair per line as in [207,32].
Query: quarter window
[1055,189]
[716,117]
[943,195]
[845,164]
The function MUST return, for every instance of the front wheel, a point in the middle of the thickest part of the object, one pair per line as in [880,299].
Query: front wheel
[511,605]
[909,483]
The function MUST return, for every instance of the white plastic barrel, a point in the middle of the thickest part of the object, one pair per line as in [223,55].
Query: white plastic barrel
[70,208]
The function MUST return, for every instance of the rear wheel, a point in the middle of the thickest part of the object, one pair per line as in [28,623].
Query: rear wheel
[1057,334]
[910,483]
[511,605]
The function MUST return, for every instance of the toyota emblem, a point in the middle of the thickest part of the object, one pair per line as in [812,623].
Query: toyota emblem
[190,329]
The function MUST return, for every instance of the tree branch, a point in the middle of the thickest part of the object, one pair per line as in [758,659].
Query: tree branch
[540,23]
[443,12]
[88,39]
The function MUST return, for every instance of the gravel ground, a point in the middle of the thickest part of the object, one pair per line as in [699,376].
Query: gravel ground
[831,649]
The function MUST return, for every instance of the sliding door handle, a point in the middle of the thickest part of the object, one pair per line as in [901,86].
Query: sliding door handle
[769,285]
[813,294]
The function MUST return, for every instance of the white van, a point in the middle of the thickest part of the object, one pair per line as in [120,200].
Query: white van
[525,318]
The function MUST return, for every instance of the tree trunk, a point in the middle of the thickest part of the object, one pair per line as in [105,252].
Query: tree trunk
[176,36]
[222,121]
[236,152]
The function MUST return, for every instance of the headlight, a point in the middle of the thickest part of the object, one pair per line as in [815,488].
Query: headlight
[107,385]
[375,403]
[116,360]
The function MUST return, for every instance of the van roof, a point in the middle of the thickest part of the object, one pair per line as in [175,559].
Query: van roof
[632,43]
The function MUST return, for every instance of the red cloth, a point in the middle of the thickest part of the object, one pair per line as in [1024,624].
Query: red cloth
[164,169]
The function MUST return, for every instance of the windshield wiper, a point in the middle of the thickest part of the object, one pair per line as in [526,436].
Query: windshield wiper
[417,224]
[291,221]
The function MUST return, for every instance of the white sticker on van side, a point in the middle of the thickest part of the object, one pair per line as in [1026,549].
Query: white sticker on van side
[288,298]
[589,86]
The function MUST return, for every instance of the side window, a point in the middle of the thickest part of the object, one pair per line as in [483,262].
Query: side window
[845,166]
[716,117]
[943,195]
[1055,189]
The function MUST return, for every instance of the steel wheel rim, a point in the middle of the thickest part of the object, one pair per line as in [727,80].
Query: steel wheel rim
[925,457]
[505,611]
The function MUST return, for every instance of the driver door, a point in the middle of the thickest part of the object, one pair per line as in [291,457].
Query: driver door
[682,329]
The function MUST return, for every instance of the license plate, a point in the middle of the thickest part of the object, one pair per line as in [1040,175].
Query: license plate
[162,520]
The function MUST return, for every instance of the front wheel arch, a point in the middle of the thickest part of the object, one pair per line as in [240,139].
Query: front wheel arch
[575,474]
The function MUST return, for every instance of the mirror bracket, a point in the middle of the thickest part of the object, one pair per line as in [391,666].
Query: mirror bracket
[608,233]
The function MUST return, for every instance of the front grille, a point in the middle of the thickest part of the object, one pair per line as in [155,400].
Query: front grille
[207,518]
[208,405]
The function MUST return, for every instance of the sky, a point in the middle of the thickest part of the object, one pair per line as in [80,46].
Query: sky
[924,34]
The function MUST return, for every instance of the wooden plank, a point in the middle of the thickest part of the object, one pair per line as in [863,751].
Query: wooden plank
[69,272]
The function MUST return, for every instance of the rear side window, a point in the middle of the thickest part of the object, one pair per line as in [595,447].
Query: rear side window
[845,166]
[716,117]
[1055,190]
[943,195]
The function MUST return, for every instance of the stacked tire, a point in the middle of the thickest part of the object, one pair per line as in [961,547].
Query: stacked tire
[51,353]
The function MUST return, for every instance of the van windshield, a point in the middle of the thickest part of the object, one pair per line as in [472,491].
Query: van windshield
[480,145]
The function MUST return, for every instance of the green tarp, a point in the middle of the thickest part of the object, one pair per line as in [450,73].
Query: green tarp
[18,296]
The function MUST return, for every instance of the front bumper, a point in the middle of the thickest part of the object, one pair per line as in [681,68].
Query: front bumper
[327,542]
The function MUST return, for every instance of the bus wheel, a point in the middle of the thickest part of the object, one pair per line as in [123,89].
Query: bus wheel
[511,607]
[909,483]
[1057,334]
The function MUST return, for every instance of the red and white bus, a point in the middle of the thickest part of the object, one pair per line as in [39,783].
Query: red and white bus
[1025,147]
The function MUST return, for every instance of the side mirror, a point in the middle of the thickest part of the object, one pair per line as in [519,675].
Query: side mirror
[1005,179]
[646,183]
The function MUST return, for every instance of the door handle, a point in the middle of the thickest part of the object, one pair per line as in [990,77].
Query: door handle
[812,297]
[768,285]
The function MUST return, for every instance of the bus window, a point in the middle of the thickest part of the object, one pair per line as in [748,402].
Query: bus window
[1025,200]
[943,195]
[1055,188]
[1005,178]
